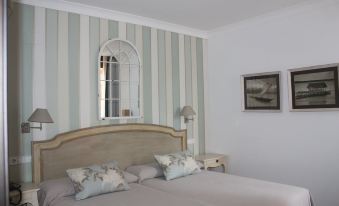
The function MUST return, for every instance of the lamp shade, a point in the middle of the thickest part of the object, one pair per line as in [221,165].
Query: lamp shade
[40,115]
[187,111]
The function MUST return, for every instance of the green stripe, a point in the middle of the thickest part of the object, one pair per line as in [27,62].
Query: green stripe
[73,61]
[201,106]
[113,29]
[175,80]
[21,172]
[130,36]
[147,72]
[188,80]
[130,33]
[188,71]
[162,77]
[25,171]
[25,58]
[52,69]
[94,45]
[25,33]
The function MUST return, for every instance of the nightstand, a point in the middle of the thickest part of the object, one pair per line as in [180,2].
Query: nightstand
[210,160]
[29,194]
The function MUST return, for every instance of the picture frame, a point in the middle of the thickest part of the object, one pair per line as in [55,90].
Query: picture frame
[314,88]
[261,92]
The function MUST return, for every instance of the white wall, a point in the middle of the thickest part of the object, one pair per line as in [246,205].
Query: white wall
[288,147]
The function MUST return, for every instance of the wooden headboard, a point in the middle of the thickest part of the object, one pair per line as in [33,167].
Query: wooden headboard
[126,143]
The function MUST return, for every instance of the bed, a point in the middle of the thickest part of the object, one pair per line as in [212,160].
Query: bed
[135,144]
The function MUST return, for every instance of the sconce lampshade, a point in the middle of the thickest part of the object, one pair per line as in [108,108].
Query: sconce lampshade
[187,111]
[41,116]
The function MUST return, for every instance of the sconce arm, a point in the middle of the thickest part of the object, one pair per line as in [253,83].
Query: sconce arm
[26,127]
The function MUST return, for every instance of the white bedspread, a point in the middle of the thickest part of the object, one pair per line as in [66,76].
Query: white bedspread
[228,190]
[138,195]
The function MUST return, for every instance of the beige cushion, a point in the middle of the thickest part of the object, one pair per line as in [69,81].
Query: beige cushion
[52,190]
[130,178]
[146,171]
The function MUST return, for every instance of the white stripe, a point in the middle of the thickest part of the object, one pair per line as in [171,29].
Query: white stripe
[122,30]
[124,75]
[103,31]
[169,94]
[182,76]
[84,73]
[195,94]
[191,141]
[63,80]
[138,42]
[103,38]
[39,82]
[155,76]
[205,63]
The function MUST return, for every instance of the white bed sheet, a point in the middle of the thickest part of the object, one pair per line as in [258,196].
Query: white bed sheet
[228,190]
[138,195]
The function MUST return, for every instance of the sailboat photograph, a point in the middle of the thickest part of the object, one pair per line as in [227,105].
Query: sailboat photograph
[261,91]
[261,97]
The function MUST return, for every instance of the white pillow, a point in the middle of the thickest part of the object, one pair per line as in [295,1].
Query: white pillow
[97,179]
[177,164]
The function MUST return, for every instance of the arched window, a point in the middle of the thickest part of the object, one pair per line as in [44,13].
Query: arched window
[119,80]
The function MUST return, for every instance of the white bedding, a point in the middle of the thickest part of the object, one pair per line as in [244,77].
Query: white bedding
[228,190]
[138,195]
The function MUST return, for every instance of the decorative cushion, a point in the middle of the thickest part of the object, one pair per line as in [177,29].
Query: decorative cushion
[97,179]
[147,171]
[177,164]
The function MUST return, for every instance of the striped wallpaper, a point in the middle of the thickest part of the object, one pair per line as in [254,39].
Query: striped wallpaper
[52,60]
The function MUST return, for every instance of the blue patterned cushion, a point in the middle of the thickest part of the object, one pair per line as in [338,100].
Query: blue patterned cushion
[96,180]
[177,164]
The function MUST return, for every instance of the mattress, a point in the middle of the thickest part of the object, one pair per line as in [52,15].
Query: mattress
[228,190]
[138,195]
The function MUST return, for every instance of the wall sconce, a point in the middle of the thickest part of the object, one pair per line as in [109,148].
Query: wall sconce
[188,113]
[40,116]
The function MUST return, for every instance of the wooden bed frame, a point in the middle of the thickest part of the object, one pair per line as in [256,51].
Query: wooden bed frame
[126,143]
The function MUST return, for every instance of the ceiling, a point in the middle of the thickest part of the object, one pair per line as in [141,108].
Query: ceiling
[199,14]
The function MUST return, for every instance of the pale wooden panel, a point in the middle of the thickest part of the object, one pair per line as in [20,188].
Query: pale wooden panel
[128,144]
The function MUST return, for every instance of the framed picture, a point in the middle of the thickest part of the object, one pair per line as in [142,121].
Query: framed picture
[261,91]
[314,88]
